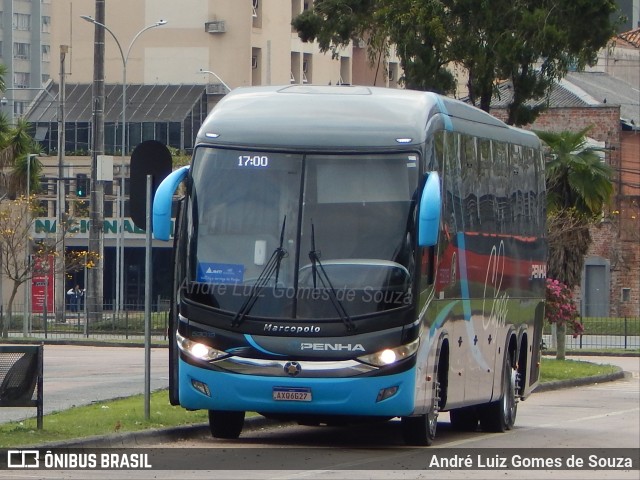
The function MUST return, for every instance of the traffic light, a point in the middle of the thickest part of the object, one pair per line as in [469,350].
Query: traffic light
[82,185]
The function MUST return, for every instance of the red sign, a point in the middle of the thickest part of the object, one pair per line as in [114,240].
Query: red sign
[42,284]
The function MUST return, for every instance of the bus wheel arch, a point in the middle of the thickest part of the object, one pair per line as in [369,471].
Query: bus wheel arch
[443,372]
[522,366]
[421,429]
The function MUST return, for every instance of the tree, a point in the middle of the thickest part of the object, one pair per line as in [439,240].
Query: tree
[579,186]
[417,30]
[531,43]
[420,32]
[15,141]
[15,225]
[478,31]
[550,38]
[179,158]
[16,149]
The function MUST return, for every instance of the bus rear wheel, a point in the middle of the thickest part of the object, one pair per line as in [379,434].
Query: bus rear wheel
[500,416]
[225,424]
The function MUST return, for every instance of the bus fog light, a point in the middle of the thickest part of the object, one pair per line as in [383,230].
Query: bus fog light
[201,387]
[385,393]
[389,356]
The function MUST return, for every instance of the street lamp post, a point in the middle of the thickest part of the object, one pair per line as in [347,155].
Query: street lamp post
[26,323]
[217,76]
[120,197]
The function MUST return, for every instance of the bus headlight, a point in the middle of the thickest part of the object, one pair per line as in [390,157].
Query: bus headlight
[389,356]
[199,350]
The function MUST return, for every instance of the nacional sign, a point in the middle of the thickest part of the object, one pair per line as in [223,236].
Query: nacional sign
[46,226]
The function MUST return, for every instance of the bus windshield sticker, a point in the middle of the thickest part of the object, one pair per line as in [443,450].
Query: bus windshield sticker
[220,272]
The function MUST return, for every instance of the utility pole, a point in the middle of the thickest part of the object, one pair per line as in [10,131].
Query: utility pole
[60,291]
[94,288]
[120,238]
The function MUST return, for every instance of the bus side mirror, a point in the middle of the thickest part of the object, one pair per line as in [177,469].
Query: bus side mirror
[162,203]
[429,214]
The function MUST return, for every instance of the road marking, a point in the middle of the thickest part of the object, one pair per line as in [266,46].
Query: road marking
[479,436]
[591,417]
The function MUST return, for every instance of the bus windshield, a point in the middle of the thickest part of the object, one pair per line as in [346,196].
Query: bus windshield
[306,231]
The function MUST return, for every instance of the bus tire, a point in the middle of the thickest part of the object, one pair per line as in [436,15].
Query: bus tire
[420,430]
[500,416]
[225,424]
[464,419]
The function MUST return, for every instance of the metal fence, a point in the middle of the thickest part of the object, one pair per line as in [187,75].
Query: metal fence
[621,333]
[126,324]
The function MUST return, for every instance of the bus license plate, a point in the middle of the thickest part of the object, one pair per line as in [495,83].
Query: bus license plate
[292,394]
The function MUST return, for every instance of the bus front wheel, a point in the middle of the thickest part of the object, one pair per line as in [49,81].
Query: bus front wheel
[225,424]
[421,429]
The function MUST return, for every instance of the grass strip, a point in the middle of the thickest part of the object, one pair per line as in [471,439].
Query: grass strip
[553,370]
[100,418]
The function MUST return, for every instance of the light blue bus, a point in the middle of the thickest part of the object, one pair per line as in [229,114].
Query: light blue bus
[347,253]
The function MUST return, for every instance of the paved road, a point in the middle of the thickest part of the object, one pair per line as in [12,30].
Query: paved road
[80,375]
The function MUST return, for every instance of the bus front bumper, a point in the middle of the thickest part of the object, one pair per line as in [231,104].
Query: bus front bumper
[383,396]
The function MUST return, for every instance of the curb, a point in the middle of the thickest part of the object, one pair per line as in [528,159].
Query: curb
[578,382]
[84,343]
[143,437]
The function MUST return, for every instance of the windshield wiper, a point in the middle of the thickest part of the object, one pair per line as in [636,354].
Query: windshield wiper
[318,271]
[272,266]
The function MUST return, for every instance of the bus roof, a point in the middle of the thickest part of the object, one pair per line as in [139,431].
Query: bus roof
[343,117]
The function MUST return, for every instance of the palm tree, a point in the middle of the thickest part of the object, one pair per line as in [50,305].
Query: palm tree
[576,175]
[16,145]
[578,188]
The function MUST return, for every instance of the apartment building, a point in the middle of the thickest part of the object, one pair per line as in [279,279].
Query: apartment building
[25,51]
[234,42]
